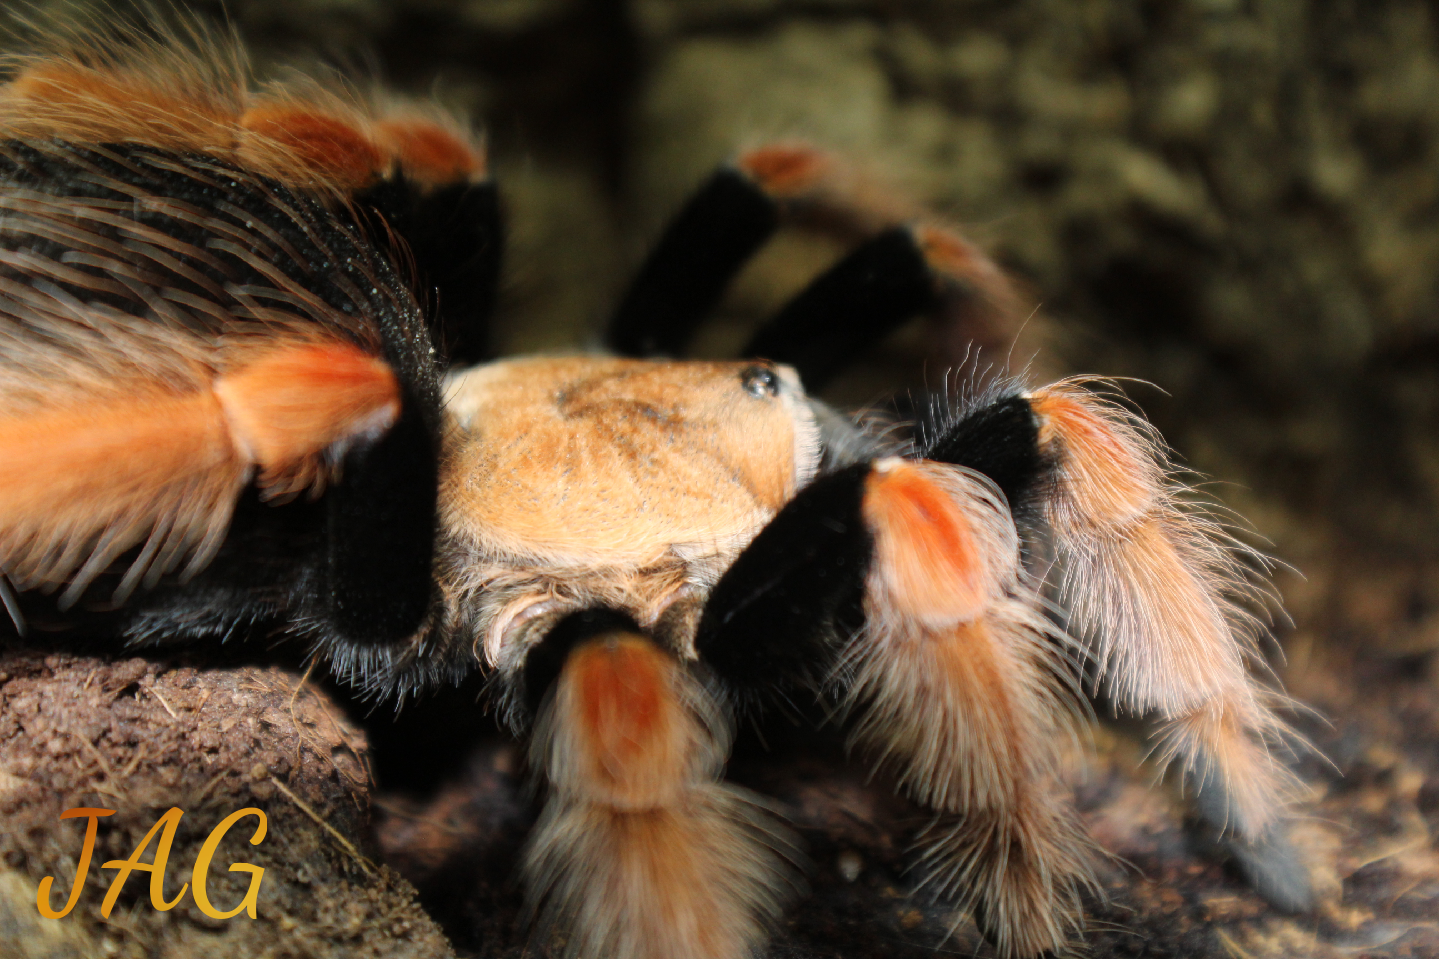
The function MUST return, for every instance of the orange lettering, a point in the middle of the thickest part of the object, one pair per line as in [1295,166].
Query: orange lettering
[42,900]
[207,853]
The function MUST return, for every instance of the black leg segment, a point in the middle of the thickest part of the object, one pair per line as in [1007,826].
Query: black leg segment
[770,622]
[719,229]
[381,533]
[456,234]
[998,437]
[545,661]
[879,286]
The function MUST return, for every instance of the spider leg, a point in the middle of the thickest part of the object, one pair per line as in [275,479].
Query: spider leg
[641,851]
[726,221]
[416,167]
[880,285]
[1157,587]
[962,684]
[94,467]
[944,664]
[897,273]
[299,204]
[173,326]
[770,623]
[440,203]
[1159,592]
[423,174]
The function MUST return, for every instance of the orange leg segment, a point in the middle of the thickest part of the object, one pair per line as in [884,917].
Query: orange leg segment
[1160,591]
[960,684]
[95,470]
[640,852]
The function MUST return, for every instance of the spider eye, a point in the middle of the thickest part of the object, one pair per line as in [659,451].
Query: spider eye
[760,382]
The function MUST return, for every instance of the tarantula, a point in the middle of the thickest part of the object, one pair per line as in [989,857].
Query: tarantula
[228,317]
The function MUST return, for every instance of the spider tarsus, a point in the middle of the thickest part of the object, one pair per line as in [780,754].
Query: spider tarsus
[1158,590]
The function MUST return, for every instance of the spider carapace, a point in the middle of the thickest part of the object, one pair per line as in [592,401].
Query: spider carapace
[247,388]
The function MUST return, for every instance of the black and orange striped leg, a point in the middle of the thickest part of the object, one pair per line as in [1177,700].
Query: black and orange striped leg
[902,268]
[118,482]
[1158,591]
[641,851]
[962,684]
[428,182]
[1156,587]
[897,585]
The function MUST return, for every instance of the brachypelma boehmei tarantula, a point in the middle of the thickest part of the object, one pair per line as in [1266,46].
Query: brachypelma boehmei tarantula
[247,388]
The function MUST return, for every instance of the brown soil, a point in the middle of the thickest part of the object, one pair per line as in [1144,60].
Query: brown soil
[140,738]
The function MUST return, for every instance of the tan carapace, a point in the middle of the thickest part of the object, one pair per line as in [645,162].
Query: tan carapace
[575,479]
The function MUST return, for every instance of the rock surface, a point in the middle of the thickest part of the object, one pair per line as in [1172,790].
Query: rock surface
[140,738]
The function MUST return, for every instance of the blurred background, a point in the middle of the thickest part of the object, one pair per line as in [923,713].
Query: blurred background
[1234,203]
